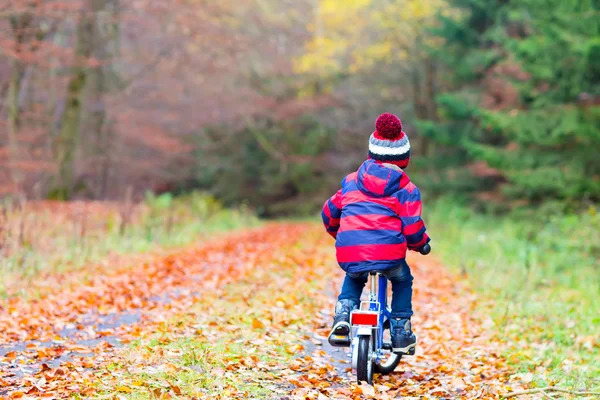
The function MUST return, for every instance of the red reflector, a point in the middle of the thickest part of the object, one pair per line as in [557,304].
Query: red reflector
[364,318]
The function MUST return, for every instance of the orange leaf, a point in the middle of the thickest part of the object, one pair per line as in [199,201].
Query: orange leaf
[256,324]
[175,388]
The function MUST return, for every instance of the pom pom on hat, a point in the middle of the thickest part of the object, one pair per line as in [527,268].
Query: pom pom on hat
[389,126]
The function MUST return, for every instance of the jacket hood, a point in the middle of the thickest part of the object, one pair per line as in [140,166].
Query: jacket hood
[377,180]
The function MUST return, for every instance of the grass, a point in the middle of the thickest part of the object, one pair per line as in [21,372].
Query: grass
[196,368]
[56,237]
[540,275]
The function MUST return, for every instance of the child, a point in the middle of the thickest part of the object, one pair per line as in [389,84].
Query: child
[374,218]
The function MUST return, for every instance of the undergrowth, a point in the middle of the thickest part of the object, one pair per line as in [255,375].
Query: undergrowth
[539,273]
[55,237]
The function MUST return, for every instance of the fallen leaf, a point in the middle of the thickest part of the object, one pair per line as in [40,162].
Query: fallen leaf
[123,389]
[256,324]
[175,388]
[367,389]
[458,383]
[382,388]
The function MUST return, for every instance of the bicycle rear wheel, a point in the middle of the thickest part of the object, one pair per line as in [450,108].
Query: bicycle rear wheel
[364,364]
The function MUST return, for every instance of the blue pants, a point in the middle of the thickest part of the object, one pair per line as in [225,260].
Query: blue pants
[401,279]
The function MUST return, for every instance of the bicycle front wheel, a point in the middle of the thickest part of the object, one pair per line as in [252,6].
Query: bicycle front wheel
[387,363]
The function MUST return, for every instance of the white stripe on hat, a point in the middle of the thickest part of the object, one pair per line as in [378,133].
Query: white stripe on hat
[389,151]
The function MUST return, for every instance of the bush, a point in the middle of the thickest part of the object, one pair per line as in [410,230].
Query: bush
[278,168]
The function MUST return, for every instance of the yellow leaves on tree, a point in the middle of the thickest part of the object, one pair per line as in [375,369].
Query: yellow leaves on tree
[349,36]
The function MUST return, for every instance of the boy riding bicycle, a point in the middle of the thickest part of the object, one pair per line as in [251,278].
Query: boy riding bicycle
[375,217]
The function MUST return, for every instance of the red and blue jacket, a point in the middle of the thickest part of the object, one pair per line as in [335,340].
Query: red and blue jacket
[375,217]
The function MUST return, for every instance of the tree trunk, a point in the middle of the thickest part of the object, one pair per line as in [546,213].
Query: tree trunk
[107,79]
[68,137]
[19,25]
[14,121]
[96,108]
[419,104]
[431,105]
[101,79]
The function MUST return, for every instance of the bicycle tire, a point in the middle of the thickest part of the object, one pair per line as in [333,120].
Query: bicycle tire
[364,364]
[393,360]
[389,366]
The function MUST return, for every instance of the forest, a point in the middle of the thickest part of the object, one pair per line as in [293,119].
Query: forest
[271,102]
[133,129]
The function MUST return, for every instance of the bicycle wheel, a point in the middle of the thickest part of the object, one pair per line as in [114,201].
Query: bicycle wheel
[364,364]
[386,365]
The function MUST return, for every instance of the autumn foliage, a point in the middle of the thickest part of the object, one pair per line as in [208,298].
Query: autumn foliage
[102,95]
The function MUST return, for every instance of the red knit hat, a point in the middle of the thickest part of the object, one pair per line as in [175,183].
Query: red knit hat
[389,143]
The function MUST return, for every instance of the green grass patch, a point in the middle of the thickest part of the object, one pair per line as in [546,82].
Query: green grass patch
[539,275]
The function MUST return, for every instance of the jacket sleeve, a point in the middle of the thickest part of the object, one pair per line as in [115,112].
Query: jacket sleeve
[332,212]
[413,227]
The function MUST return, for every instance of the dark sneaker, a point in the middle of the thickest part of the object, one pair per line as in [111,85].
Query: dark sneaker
[403,339]
[340,331]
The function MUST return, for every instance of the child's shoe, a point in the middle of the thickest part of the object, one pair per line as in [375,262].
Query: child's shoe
[404,340]
[340,331]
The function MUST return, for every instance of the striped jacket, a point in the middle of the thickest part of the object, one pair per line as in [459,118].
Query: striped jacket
[375,217]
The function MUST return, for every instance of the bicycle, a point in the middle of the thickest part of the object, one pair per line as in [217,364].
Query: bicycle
[370,351]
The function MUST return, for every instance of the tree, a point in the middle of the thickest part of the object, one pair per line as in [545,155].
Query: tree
[96,103]
[513,112]
[21,49]
[68,137]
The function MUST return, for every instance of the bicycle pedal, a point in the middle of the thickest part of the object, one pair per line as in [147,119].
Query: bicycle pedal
[339,340]
[410,352]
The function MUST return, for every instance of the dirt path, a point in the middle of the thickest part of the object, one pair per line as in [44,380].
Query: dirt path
[241,317]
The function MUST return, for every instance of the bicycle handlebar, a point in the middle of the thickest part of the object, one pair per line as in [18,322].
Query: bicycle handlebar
[425,249]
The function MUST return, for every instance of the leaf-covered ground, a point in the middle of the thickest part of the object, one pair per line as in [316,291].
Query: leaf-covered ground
[243,316]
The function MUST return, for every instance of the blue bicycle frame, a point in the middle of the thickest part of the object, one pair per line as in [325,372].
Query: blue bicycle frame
[378,296]
[368,322]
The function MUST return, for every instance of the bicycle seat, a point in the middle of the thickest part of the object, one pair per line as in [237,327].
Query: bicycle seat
[375,272]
